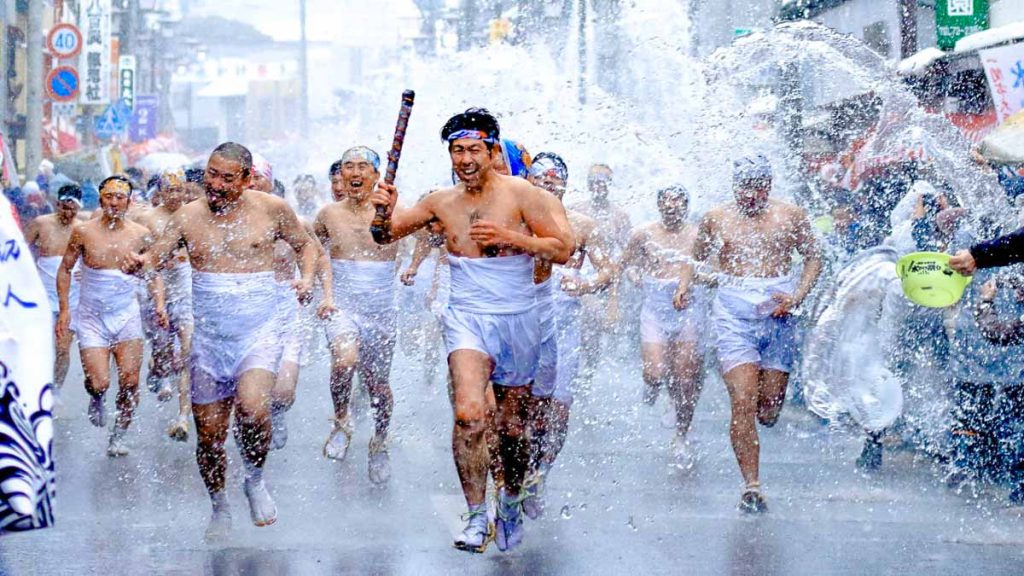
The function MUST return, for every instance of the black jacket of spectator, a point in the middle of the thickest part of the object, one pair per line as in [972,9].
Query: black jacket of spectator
[1002,251]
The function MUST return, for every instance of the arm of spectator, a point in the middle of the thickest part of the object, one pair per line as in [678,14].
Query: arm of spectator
[1002,251]
[998,331]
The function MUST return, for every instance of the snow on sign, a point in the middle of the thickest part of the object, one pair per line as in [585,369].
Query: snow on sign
[64,41]
[62,84]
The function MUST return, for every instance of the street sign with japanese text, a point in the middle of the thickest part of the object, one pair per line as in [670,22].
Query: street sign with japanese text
[62,84]
[64,40]
[1004,69]
[145,118]
[64,109]
[955,19]
[126,80]
[94,61]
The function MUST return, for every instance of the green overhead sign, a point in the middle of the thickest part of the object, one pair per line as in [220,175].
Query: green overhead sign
[955,19]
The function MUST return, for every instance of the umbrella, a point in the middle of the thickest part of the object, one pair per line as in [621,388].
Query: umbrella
[1006,143]
[159,161]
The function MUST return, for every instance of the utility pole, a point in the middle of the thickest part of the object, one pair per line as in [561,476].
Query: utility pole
[908,27]
[582,24]
[303,72]
[34,91]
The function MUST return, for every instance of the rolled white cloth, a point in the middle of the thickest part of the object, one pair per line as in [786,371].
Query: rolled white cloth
[108,308]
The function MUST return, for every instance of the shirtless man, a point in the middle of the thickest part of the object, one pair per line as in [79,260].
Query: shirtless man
[752,311]
[671,342]
[600,312]
[236,345]
[47,236]
[109,319]
[494,227]
[361,334]
[168,366]
[559,303]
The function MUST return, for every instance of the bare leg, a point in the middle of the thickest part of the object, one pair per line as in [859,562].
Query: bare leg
[96,365]
[344,359]
[510,422]
[128,356]
[212,431]
[283,393]
[558,430]
[656,370]
[686,383]
[470,371]
[493,441]
[742,383]
[771,396]
[375,372]
[252,421]
[179,428]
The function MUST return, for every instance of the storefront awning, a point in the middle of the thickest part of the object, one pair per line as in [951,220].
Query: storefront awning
[989,38]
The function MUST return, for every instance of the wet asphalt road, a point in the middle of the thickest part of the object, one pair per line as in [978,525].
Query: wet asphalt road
[615,504]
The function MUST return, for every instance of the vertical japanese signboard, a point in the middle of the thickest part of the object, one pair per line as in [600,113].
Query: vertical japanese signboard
[94,61]
[955,19]
[1004,69]
[126,76]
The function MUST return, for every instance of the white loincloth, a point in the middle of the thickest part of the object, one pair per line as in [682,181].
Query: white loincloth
[47,267]
[237,329]
[564,340]
[364,294]
[661,323]
[492,309]
[108,310]
[745,331]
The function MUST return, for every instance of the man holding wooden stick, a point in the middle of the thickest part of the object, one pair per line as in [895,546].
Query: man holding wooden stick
[494,227]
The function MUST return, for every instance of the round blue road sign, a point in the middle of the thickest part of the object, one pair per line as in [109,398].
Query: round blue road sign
[62,84]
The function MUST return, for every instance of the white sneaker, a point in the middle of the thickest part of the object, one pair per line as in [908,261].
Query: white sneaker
[117,447]
[261,505]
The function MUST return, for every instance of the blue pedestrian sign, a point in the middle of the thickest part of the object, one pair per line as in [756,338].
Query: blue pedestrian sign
[113,121]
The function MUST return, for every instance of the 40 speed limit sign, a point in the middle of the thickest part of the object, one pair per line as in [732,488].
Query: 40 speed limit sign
[64,41]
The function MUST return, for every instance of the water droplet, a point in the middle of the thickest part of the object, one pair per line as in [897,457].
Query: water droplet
[632,524]
[566,512]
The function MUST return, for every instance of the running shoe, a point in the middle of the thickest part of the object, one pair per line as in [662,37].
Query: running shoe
[220,526]
[97,415]
[752,502]
[508,526]
[478,532]
[379,463]
[336,447]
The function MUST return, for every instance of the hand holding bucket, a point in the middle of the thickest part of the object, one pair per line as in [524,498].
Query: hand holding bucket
[929,281]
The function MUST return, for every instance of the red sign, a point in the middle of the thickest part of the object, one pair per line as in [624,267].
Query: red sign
[64,41]
[62,84]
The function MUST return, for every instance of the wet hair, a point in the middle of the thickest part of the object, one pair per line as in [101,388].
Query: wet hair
[70,192]
[115,178]
[279,189]
[194,175]
[335,168]
[235,152]
[305,178]
[474,120]
[135,175]
[674,191]
[543,160]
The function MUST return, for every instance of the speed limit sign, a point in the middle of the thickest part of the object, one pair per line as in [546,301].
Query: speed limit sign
[64,41]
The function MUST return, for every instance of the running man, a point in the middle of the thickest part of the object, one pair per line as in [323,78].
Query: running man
[361,334]
[236,345]
[560,307]
[47,236]
[754,238]
[171,350]
[671,342]
[601,311]
[494,227]
[109,319]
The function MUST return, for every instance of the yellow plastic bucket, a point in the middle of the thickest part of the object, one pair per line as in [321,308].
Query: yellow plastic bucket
[929,281]
[825,224]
